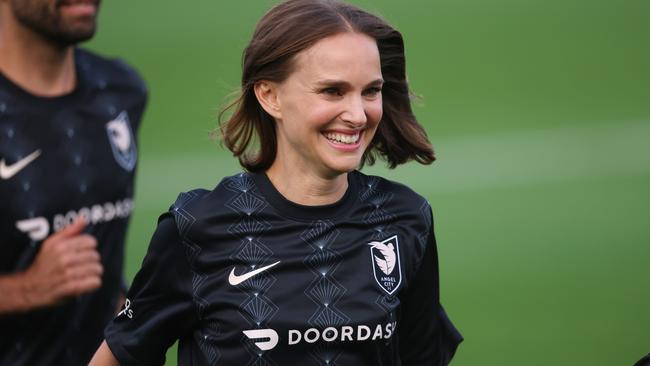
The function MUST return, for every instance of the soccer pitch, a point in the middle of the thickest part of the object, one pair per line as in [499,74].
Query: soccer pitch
[540,115]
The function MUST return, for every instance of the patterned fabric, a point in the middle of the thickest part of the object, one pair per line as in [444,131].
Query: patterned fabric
[242,276]
[62,157]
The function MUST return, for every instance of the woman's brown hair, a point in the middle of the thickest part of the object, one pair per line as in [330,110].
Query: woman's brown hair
[292,27]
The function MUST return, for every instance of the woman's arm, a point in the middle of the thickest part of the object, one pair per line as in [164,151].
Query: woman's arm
[159,307]
[104,357]
[427,336]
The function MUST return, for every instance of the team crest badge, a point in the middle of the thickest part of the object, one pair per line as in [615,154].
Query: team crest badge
[122,141]
[385,263]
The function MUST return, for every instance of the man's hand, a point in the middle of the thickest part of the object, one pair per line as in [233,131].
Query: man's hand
[66,265]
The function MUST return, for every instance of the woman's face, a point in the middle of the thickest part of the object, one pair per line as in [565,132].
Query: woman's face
[329,107]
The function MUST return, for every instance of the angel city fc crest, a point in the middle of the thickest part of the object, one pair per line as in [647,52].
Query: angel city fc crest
[122,141]
[386,264]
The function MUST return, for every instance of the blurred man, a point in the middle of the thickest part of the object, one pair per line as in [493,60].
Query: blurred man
[68,121]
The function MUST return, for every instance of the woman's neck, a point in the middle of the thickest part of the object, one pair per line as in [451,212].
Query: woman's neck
[305,187]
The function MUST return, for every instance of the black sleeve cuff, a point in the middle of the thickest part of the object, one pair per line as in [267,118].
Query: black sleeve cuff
[451,338]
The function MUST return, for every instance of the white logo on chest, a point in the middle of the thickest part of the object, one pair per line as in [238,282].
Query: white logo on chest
[235,280]
[122,141]
[386,264]
[8,171]
[266,338]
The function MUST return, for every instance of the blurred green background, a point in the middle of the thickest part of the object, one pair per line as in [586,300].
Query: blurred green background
[539,111]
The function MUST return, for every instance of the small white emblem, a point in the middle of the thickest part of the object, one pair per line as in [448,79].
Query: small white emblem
[127,309]
[270,336]
[235,280]
[37,228]
[8,171]
[385,263]
[122,141]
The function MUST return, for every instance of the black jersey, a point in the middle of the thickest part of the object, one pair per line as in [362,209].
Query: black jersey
[62,157]
[243,276]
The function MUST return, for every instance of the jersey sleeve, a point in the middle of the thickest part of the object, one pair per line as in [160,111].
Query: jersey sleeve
[426,335]
[159,307]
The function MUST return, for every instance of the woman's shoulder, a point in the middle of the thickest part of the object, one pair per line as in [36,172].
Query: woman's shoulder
[201,198]
[394,198]
[374,188]
[195,206]
[391,203]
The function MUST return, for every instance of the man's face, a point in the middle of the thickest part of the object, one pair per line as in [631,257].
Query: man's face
[64,22]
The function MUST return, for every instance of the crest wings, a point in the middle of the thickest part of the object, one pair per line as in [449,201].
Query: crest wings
[388,252]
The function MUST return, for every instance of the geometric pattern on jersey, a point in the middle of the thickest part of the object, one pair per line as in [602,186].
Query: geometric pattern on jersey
[327,277]
[324,290]
[425,211]
[376,217]
[207,335]
[257,309]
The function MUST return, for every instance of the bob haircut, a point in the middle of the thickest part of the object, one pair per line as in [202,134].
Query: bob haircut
[286,30]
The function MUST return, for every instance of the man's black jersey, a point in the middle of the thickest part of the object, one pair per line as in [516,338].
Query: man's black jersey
[62,157]
[242,276]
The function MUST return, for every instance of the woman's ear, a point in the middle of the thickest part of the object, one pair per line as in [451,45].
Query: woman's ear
[267,95]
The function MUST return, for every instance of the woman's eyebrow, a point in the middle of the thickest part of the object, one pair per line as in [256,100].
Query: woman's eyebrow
[337,82]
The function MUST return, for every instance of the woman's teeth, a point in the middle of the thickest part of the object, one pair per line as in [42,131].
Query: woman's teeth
[342,138]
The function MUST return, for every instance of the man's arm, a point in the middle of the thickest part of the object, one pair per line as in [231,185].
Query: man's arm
[67,264]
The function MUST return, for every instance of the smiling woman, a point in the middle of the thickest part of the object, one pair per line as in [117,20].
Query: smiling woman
[302,257]
[326,111]
[271,56]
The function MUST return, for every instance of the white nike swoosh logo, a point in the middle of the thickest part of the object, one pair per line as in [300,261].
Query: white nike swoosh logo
[235,280]
[8,171]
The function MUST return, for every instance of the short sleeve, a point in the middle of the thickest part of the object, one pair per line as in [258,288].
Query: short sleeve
[426,335]
[159,307]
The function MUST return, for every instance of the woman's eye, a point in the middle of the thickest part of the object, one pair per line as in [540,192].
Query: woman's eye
[373,91]
[332,91]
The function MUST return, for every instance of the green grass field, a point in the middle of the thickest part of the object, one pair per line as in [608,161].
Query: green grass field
[540,114]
